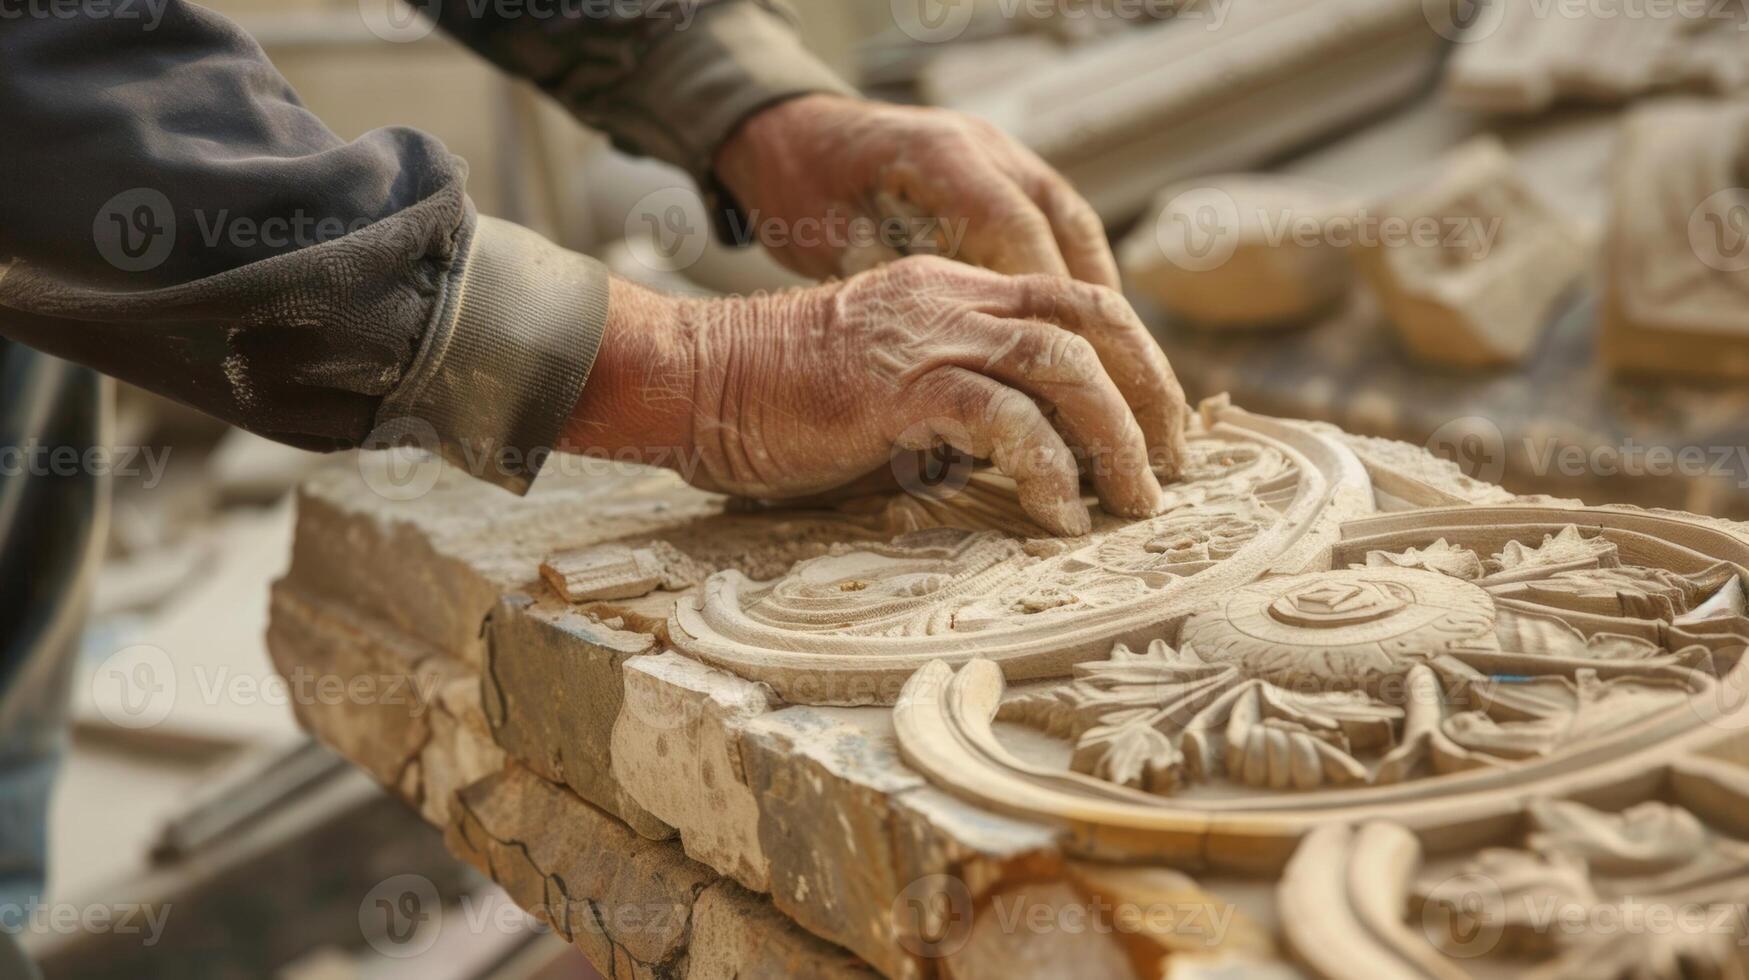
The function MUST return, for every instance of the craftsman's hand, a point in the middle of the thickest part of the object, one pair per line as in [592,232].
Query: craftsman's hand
[799,392]
[818,173]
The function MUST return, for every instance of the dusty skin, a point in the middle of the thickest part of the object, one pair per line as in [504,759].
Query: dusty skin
[971,189]
[795,393]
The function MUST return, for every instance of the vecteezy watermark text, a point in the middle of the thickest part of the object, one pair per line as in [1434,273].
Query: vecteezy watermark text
[403,916]
[147,13]
[39,918]
[1470,21]
[34,458]
[1202,228]
[136,230]
[942,21]
[667,231]
[415,20]
[139,686]
[1550,456]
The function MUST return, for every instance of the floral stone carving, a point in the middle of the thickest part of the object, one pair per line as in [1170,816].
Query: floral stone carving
[1337,711]
[1460,652]
[1651,887]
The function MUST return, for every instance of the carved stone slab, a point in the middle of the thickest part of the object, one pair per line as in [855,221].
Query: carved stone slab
[614,571]
[1468,267]
[1243,251]
[1677,287]
[1277,730]
[1215,89]
[1524,57]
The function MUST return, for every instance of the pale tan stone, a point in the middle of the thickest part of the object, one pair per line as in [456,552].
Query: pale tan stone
[737,935]
[618,571]
[1039,931]
[598,884]
[1216,88]
[1243,251]
[356,544]
[825,778]
[1525,688]
[1521,58]
[370,693]
[1468,267]
[552,689]
[1676,297]
[676,751]
[873,614]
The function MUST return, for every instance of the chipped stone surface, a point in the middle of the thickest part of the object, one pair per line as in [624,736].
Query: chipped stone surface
[598,884]
[370,694]
[737,934]
[435,565]
[563,741]
[676,751]
[825,778]
[617,571]
[1020,937]
[552,690]
[427,733]
[460,750]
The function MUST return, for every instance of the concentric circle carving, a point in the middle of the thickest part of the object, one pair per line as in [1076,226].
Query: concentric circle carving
[1346,627]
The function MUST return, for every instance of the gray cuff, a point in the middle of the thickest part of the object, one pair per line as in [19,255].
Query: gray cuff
[697,84]
[503,365]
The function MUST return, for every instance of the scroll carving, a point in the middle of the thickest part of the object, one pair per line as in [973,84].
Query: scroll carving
[1653,888]
[850,626]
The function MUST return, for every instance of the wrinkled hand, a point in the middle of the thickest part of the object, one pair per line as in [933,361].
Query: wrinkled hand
[818,174]
[799,392]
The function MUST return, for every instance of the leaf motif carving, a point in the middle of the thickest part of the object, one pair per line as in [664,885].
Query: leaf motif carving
[1440,556]
[1129,755]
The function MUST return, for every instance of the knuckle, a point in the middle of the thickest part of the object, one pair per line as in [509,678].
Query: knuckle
[1076,355]
[1020,219]
[1106,308]
[916,271]
[1046,293]
[1078,217]
[1011,416]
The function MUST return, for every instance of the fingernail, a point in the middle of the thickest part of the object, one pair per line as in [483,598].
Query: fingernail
[1071,518]
[1156,497]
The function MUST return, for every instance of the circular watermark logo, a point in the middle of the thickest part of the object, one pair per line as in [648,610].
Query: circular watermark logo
[400,460]
[135,230]
[135,687]
[933,21]
[1724,705]
[932,916]
[1718,230]
[666,230]
[1464,916]
[401,916]
[1464,21]
[1475,444]
[1198,230]
[927,466]
[400,21]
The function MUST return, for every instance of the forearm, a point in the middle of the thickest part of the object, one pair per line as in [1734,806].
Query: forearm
[178,220]
[639,402]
